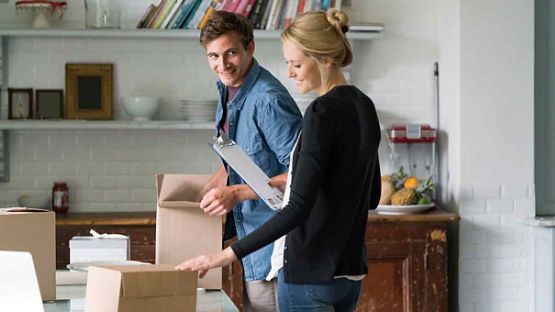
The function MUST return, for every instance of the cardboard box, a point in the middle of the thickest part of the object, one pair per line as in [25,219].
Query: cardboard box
[88,248]
[34,232]
[183,230]
[140,289]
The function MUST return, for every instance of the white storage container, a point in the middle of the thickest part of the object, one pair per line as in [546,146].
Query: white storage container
[88,248]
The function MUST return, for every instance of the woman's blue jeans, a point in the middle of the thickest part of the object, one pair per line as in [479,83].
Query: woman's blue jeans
[340,295]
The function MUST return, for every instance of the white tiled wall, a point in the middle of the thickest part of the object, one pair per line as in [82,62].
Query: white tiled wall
[105,170]
[495,248]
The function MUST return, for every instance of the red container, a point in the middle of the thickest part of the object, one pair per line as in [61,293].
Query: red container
[412,134]
[60,197]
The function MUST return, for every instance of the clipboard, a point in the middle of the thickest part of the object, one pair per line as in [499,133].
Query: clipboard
[235,157]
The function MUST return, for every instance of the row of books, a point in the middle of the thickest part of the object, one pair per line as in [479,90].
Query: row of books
[263,14]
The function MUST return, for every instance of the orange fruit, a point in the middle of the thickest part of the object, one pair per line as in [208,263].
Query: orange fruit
[411,183]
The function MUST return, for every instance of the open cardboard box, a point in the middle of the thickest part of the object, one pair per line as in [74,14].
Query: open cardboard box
[23,229]
[183,230]
[141,288]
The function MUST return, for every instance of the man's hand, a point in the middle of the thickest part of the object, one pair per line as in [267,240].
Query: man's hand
[220,200]
[203,263]
[279,181]
[218,179]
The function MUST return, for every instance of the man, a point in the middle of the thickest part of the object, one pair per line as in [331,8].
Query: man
[256,111]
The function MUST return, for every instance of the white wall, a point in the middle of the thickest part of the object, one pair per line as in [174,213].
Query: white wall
[490,74]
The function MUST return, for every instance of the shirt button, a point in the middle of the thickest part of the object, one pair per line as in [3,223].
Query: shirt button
[231,123]
[284,261]
[248,150]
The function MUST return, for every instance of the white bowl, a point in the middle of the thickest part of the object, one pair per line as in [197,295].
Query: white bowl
[141,108]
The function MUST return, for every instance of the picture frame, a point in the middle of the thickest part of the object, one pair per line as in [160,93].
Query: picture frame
[49,103]
[89,91]
[20,103]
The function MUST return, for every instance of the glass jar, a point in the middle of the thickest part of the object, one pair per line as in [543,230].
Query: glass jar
[60,197]
[102,13]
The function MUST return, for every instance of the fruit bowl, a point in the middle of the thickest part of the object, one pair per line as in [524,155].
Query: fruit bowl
[402,210]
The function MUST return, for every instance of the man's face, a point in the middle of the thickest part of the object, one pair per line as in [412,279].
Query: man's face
[229,59]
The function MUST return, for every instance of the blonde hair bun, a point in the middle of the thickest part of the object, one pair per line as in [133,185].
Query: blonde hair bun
[338,19]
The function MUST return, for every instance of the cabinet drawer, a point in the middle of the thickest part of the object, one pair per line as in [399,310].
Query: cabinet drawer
[138,235]
[145,253]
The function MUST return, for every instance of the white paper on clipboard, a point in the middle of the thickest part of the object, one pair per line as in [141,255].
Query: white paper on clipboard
[248,170]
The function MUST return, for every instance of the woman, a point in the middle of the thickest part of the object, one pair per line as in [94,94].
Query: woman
[334,178]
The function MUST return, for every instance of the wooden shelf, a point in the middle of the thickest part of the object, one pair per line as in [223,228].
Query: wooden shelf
[109,125]
[154,33]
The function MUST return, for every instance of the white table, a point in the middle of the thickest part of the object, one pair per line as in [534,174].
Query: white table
[72,298]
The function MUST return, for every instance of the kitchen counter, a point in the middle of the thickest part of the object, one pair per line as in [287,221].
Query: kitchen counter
[149,218]
[106,219]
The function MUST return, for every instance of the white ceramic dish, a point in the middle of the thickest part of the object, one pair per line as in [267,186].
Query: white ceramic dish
[402,210]
[84,266]
[141,108]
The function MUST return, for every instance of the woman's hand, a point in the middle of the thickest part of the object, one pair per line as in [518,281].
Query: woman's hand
[279,181]
[204,263]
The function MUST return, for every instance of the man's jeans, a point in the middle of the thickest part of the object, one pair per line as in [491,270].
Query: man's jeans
[340,295]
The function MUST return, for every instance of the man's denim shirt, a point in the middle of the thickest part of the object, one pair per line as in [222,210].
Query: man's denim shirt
[264,120]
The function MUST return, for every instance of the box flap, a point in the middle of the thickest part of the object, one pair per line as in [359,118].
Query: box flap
[178,204]
[180,187]
[157,281]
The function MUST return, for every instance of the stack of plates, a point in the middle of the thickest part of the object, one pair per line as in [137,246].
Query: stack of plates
[198,110]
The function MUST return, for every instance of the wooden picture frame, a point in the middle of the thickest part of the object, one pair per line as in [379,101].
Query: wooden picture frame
[20,103]
[89,91]
[49,103]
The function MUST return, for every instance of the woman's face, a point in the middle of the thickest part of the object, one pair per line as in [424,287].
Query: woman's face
[301,68]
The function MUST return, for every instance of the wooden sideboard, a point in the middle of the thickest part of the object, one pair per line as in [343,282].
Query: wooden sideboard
[407,263]
[407,256]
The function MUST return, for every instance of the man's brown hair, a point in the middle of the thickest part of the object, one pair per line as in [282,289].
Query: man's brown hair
[222,22]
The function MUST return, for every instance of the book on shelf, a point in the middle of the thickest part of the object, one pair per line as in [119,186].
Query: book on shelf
[171,13]
[156,13]
[248,9]
[183,13]
[214,6]
[175,16]
[255,12]
[162,14]
[276,7]
[191,14]
[231,5]
[241,7]
[290,12]
[201,10]
[266,15]
[146,16]
[300,7]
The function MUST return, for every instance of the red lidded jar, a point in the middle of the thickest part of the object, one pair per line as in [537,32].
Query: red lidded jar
[60,197]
